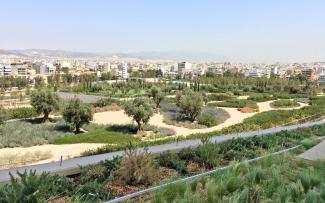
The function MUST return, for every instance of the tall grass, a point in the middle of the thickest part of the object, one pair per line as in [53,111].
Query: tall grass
[26,133]
[282,179]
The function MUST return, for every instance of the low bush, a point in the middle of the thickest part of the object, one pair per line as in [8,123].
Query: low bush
[283,179]
[219,97]
[284,103]
[137,168]
[19,113]
[91,192]
[29,134]
[211,116]
[171,160]
[260,97]
[235,103]
[30,187]
[309,142]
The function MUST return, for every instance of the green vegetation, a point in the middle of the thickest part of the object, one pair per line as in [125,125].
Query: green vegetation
[99,134]
[140,110]
[260,97]
[190,104]
[44,101]
[77,114]
[30,133]
[284,103]
[157,96]
[138,170]
[19,113]
[219,97]
[273,179]
[236,103]
[211,116]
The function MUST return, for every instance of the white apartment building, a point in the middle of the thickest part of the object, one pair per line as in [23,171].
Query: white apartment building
[5,70]
[47,69]
[321,76]
[184,68]
[122,71]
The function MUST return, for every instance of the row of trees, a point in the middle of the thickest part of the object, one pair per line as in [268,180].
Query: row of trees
[75,112]
[189,102]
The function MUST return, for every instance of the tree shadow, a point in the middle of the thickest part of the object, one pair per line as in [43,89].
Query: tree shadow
[124,129]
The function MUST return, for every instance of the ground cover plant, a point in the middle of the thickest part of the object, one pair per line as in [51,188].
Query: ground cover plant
[130,173]
[28,133]
[235,103]
[19,113]
[284,103]
[282,178]
[260,97]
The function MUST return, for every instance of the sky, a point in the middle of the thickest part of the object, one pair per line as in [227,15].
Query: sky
[236,30]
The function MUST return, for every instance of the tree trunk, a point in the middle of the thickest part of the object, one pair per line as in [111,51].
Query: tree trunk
[77,129]
[46,116]
[139,126]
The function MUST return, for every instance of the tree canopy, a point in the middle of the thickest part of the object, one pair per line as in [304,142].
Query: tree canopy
[77,113]
[140,110]
[190,104]
[44,101]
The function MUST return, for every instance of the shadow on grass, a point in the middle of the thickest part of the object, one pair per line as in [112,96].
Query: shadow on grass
[124,129]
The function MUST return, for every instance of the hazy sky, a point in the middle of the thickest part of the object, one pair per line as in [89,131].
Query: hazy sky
[240,30]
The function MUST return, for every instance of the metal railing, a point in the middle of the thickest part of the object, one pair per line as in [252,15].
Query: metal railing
[191,178]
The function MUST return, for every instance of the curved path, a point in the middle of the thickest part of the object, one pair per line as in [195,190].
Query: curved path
[119,118]
[71,166]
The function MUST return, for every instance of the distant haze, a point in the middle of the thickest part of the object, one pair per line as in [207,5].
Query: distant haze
[207,30]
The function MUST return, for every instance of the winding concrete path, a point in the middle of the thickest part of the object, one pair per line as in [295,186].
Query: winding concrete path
[71,166]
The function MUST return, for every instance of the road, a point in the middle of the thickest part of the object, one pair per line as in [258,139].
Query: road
[71,166]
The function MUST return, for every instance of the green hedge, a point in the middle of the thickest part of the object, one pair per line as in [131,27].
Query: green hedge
[283,103]
[235,103]
[20,113]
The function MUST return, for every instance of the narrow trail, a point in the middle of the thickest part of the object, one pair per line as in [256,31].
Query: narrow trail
[118,117]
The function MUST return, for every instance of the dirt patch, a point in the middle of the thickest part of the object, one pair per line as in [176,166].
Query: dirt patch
[247,110]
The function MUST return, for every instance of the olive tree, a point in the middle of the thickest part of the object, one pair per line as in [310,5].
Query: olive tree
[157,95]
[77,113]
[44,101]
[140,110]
[190,104]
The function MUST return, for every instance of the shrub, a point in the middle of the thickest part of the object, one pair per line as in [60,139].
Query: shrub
[212,116]
[96,172]
[207,120]
[91,192]
[171,160]
[236,103]
[309,142]
[29,134]
[260,97]
[19,113]
[137,168]
[219,97]
[207,154]
[283,103]
[30,187]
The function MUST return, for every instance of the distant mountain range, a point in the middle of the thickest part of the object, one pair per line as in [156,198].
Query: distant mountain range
[193,56]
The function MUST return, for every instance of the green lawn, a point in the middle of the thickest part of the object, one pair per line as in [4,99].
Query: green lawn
[99,135]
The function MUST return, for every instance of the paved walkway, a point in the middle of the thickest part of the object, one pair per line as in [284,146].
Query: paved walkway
[315,153]
[71,166]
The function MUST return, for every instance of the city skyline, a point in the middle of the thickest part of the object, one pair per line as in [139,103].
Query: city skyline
[255,31]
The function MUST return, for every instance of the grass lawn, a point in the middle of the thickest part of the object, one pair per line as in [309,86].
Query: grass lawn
[99,135]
